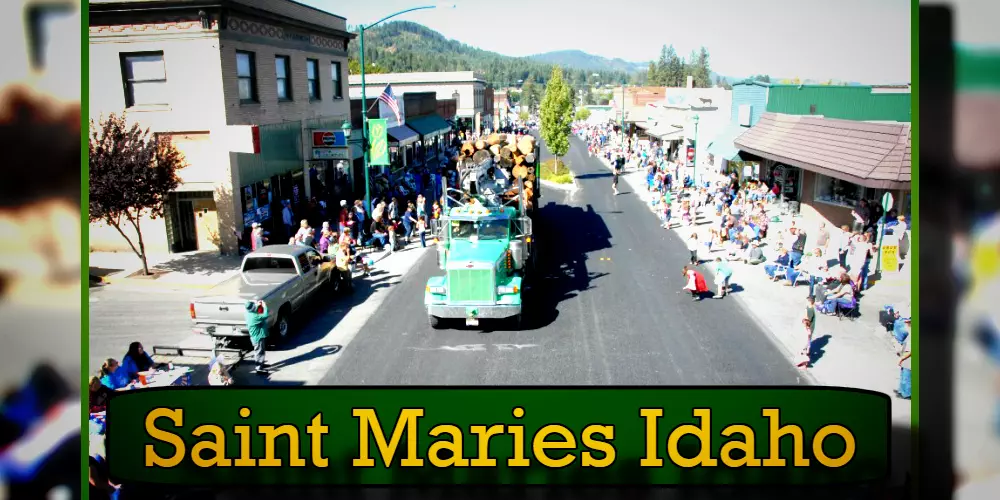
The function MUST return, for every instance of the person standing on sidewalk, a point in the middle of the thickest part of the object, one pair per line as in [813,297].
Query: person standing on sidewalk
[692,244]
[723,273]
[287,218]
[905,373]
[798,246]
[256,317]
[809,322]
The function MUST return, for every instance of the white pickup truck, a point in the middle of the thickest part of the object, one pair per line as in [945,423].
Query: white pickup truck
[285,277]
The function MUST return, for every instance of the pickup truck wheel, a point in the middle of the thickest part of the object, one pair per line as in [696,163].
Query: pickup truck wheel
[517,321]
[282,327]
[435,322]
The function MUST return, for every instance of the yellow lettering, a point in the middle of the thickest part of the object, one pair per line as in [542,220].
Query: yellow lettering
[517,432]
[844,434]
[453,445]
[704,457]
[651,414]
[539,445]
[246,458]
[271,435]
[485,434]
[316,430]
[217,446]
[776,433]
[177,417]
[746,446]
[607,449]
[369,424]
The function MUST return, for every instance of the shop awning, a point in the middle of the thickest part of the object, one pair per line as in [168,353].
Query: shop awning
[722,146]
[644,125]
[875,155]
[667,132]
[429,126]
[402,135]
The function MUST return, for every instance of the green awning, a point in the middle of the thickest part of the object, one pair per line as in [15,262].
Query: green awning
[429,126]
[722,146]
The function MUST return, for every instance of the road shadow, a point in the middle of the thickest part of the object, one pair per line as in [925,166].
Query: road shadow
[565,237]
[200,263]
[328,309]
[592,175]
[817,348]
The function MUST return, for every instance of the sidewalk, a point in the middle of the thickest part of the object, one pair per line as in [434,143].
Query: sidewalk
[847,353]
[197,270]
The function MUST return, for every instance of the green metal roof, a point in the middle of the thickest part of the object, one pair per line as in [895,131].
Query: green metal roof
[977,68]
[723,146]
[429,126]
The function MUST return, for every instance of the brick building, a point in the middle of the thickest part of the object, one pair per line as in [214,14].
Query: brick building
[239,86]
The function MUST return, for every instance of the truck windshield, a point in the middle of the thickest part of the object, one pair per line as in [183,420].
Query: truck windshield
[484,229]
[284,265]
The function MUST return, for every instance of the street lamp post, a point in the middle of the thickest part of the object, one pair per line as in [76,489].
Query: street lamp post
[364,105]
[623,117]
[695,147]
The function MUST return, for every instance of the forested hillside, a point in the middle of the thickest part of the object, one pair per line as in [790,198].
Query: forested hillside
[403,46]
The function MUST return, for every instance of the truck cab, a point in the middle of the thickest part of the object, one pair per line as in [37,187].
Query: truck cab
[483,251]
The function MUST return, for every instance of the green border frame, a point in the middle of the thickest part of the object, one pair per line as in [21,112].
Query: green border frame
[84,247]
[915,235]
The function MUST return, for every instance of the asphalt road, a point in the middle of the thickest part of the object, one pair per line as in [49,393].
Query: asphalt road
[605,308]
[120,316]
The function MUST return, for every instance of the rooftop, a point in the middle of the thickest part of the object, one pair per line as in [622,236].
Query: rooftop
[286,9]
[877,155]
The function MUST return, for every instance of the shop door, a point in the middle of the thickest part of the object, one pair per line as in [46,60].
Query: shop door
[187,230]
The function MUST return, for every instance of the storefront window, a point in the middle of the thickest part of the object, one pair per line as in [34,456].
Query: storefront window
[837,191]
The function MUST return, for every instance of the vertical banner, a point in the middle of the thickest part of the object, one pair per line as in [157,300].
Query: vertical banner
[379,152]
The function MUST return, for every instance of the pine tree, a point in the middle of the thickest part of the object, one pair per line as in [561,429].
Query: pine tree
[702,70]
[557,115]
[675,69]
[653,74]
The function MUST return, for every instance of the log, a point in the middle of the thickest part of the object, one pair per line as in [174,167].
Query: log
[528,184]
[493,139]
[468,148]
[480,144]
[481,156]
[518,160]
[530,158]
[526,145]
[508,153]
[503,138]
[520,172]
[495,149]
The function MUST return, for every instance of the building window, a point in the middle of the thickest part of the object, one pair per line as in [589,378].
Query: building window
[246,72]
[846,194]
[145,78]
[338,90]
[312,76]
[283,78]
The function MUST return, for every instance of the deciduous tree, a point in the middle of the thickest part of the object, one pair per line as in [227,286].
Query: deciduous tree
[582,114]
[557,115]
[131,175]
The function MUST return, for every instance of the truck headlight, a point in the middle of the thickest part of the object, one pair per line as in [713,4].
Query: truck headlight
[505,290]
[437,290]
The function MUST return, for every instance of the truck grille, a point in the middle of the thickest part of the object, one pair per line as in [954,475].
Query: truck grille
[471,285]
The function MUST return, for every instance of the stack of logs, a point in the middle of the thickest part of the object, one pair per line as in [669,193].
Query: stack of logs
[516,157]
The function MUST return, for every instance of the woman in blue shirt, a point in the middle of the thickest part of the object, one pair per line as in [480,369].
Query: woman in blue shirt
[136,360]
[113,376]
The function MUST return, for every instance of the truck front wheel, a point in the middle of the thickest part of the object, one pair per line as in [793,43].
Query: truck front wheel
[435,322]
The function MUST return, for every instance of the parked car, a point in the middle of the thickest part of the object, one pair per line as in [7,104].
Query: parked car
[285,277]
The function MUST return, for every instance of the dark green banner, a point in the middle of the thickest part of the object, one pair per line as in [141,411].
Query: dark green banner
[372,435]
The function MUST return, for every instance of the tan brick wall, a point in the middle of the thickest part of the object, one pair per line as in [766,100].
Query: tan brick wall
[268,110]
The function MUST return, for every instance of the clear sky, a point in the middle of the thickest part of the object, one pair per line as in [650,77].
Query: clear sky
[855,40]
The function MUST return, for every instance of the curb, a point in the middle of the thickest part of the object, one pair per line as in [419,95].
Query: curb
[561,187]
[128,282]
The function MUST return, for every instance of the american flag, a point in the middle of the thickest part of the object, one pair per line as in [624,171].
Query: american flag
[390,100]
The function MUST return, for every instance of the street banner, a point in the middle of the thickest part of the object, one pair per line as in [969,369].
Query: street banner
[378,154]
[215,436]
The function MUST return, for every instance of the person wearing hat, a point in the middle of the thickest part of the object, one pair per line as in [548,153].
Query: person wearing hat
[755,255]
[256,317]
[343,216]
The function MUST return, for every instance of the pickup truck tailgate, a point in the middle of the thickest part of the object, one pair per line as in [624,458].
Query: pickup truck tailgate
[225,304]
